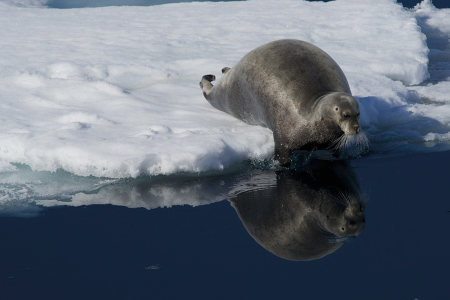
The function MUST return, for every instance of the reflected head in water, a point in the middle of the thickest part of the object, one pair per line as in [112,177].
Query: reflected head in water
[305,214]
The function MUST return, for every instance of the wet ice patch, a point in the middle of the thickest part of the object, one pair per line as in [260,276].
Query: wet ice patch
[22,188]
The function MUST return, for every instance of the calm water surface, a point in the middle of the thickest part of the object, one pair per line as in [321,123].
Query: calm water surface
[205,252]
[125,246]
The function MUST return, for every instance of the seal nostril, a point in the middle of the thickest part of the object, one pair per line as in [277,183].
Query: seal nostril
[351,223]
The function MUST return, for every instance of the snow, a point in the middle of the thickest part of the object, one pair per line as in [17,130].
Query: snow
[113,91]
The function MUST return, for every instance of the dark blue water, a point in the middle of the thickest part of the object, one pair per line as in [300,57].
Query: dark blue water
[436,3]
[204,252]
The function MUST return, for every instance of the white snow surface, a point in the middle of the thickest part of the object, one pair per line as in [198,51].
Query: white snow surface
[113,91]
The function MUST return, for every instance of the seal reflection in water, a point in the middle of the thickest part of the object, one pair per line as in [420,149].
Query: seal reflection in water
[304,215]
[297,91]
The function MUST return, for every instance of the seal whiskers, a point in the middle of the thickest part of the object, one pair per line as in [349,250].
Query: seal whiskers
[349,143]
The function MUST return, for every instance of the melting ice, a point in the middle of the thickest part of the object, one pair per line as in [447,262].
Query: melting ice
[113,92]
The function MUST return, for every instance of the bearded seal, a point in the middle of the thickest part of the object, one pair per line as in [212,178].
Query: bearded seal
[305,214]
[296,90]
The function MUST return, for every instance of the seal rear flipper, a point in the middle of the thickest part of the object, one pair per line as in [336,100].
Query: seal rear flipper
[226,69]
[206,86]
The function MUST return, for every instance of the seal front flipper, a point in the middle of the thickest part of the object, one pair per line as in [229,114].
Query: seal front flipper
[282,152]
[206,86]
[226,69]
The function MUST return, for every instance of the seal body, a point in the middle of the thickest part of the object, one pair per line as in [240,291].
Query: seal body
[293,88]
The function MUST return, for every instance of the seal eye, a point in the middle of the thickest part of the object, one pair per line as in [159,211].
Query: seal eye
[336,109]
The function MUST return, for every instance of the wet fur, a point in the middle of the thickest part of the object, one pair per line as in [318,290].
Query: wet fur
[287,86]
